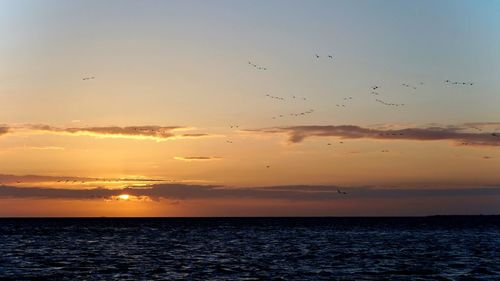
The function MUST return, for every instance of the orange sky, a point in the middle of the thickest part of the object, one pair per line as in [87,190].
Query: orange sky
[154,95]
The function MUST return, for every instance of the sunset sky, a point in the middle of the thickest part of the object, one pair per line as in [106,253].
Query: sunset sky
[161,101]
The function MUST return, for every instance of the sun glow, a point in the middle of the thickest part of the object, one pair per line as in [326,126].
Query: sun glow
[124,197]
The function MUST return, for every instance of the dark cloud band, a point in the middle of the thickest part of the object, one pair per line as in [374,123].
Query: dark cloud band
[203,192]
[297,134]
[148,132]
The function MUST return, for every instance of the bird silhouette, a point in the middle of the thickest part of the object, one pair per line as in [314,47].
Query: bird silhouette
[341,192]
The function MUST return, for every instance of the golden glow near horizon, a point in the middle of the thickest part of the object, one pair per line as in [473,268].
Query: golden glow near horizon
[124,197]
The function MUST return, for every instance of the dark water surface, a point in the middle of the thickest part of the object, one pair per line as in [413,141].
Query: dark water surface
[433,248]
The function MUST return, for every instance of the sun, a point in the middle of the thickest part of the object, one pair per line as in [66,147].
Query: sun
[124,197]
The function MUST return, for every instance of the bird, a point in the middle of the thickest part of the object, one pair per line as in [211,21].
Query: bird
[317,56]
[341,192]
[259,67]
[459,83]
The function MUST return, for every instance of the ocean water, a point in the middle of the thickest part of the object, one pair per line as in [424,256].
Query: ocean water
[432,248]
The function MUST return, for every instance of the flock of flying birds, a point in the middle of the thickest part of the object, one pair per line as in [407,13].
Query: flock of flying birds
[375,91]
[73,181]
[346,99]
[295,114]
[328,56]
[343,104]
[458,83]
[283,98]
[259,67]
[411,86]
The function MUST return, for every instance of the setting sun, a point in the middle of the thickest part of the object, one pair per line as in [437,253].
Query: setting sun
[124,197]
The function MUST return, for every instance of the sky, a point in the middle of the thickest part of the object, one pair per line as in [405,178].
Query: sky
[249,108]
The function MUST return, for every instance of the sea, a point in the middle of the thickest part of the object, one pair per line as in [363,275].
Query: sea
[399,248]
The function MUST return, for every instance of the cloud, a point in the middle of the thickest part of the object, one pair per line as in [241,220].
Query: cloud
[38,179]
[4,129]
[461,135]
[43,147]
[197,158]
[55,193]
[153,132]
[204,192]
[483,125]
[194,135]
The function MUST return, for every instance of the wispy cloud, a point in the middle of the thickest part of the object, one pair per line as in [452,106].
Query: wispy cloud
[153,132]
[200,192]
[55,180]
[457,134]
[139,132]
[198,135]
[197,158]
[43,147]
[483,125]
